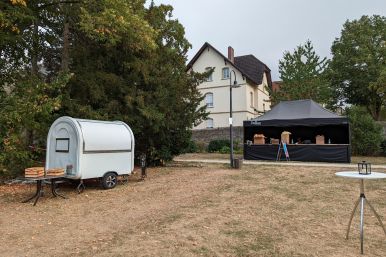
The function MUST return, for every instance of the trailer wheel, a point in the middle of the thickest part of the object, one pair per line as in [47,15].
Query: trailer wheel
[109,180]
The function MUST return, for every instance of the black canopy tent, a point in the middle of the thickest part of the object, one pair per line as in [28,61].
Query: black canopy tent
[305,119]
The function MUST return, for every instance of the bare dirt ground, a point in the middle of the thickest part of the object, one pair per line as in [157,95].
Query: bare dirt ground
[197,211]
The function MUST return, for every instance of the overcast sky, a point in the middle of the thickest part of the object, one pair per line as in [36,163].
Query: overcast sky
[268,28]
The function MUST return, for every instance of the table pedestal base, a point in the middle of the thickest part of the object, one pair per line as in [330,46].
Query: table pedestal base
[362,199]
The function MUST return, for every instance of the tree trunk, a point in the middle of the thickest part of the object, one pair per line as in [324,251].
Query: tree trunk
[35,49]
[34,68]
[30,137]
[377,113]
[66,45]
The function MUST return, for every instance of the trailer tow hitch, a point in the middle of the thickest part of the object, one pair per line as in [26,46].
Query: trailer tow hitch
[80,188]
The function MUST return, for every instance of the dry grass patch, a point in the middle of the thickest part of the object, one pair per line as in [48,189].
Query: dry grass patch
[197,211]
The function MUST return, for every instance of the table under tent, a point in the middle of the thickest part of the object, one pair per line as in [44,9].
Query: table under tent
[316,134]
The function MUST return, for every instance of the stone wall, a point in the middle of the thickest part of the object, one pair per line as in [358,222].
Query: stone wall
[206,135]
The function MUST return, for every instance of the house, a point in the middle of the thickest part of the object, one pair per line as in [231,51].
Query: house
[249,100]
[276,86]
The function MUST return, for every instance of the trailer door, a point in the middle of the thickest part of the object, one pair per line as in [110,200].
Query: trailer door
[63,148]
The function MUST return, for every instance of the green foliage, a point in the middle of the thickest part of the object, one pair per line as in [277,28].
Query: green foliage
[117,22]
[196,147]
[217,144]
[303,75]
[383,147]
[238,150]
[201,147]
[223,146]
[149,88]
[192,147]
[358,63]
[383,114]
[14,19]
[366,135]
[225,149]
[26,110]
[127,62]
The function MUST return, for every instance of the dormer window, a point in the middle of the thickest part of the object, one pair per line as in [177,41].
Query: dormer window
[225,73]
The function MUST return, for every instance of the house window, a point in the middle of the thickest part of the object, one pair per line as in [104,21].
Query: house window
[209,123]
[209,99]
[225,73]
[210,76]
[251,98]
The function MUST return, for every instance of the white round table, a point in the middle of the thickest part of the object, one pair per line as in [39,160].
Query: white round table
[362,198]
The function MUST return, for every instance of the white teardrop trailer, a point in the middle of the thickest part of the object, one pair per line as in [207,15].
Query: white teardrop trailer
[89,149]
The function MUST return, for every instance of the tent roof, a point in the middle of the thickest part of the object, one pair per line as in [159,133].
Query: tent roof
[297,113]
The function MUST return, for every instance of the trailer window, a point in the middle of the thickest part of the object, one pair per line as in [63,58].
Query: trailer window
[62,145]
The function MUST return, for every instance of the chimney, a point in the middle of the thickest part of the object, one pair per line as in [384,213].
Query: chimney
[231,54]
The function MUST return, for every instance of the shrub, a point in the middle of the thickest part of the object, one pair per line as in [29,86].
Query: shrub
[237,146]
[217,145]
[225,149]
[201,147]
[383,147]
[191,147]
[238,151]
[366,135]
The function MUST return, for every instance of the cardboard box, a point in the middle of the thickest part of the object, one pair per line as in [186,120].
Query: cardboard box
[319,140]
[259,139]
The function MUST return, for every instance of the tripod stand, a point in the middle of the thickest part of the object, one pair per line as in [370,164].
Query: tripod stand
[362,200]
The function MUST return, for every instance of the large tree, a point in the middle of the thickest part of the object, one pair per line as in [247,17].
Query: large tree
[137,75]
[28,99]
[303,75]
[359,62]
[100,59]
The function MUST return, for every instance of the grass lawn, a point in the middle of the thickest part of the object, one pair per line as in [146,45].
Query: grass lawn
[197,211]
[373,160]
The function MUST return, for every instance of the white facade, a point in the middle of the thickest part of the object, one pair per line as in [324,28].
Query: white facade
[248,100]
[89,148]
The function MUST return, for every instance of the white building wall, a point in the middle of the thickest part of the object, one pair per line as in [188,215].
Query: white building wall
[263,102]
[219,87]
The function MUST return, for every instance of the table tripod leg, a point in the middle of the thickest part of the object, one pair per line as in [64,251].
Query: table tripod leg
[376,215]
[32,197]
[352,216]
[54,190]
[361,223]
[39,191]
